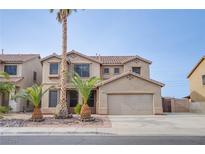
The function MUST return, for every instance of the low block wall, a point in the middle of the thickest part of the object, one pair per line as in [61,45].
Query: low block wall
[180,105]
[197,107]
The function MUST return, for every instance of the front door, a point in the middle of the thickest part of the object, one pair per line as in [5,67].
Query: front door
[92,101]
[72,99]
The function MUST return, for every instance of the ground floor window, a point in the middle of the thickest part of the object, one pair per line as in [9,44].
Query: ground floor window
[91,100]
[53,98]
[72,98]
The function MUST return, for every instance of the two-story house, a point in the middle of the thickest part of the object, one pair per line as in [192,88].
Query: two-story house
[126,87]
[24,70]
[197,83]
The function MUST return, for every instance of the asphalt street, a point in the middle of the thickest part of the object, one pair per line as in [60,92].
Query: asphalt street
[101,140]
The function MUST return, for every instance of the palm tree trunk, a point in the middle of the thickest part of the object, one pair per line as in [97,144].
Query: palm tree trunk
[37,115]
[85,112]
[62,109]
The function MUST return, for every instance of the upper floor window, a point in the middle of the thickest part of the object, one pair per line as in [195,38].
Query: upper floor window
[10,69]
[34,76]
[53,68]
[136,70]
[116,70]
[203,79]
[106,70]
[83,70]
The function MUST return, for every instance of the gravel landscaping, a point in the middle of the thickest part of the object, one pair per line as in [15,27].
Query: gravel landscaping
[50,121]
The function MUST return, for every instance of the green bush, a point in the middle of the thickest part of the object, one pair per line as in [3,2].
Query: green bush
[5,109]
[77,108]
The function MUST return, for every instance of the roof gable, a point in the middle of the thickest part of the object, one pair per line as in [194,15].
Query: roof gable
[126,74]
[50,56]
[196,66]
[84,56]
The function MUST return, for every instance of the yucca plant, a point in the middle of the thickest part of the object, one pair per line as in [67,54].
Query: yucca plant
[84,87]
[34,95]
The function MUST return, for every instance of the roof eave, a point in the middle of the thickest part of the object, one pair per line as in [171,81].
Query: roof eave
[195,67]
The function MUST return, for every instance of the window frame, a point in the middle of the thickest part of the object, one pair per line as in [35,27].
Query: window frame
[49,97]
[6,65]
[203,80]
[50,68]
[104,72]
[117,69]
[80,65]
[34,76]
[137,68]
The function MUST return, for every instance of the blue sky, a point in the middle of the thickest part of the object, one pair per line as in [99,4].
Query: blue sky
[174,40]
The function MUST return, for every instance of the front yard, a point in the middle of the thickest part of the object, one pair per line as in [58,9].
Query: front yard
[22,120]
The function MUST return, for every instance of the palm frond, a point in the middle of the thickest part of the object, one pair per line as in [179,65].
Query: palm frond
[84,86]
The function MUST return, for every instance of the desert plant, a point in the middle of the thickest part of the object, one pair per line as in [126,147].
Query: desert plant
[34,95]
[77,108]
[84,87]
[5,109]
[62,108]
[5,85]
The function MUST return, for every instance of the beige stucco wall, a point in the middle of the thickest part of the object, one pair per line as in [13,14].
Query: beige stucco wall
[74,59]
[27,72]
[197,89]
[111,69]
[129,86]
[145,72]
[46,68]
[48,82]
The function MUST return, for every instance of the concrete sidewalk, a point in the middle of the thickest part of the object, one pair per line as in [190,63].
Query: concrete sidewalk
[150,125]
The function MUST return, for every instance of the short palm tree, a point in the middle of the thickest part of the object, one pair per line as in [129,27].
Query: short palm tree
[5,85]
[84,87]
[34,95]
[62,108]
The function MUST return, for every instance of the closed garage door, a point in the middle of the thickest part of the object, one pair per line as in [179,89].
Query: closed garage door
[130,104]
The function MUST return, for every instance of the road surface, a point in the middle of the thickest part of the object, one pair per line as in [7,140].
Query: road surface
[101,140]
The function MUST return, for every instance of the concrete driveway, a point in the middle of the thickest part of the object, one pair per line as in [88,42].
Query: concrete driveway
[184,124]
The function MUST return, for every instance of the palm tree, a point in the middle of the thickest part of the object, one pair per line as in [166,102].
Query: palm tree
[34,95]
[62,108]
[5,85]
[84,87]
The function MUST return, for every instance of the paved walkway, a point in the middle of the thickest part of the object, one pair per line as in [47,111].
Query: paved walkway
[150,125]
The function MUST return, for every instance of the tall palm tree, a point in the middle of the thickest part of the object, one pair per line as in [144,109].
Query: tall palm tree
[85,87]
[62,108]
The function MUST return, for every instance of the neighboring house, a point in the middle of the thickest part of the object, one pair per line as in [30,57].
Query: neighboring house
[24,70]
[197,81]
[126,87]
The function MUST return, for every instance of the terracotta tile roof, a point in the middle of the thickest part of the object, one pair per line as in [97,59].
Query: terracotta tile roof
[17,57]
[117,59]
[112,59]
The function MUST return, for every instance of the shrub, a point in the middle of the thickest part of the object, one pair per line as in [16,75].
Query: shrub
[77,108]
[5,109]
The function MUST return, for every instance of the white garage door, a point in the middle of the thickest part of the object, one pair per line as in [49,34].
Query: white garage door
[120,104]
